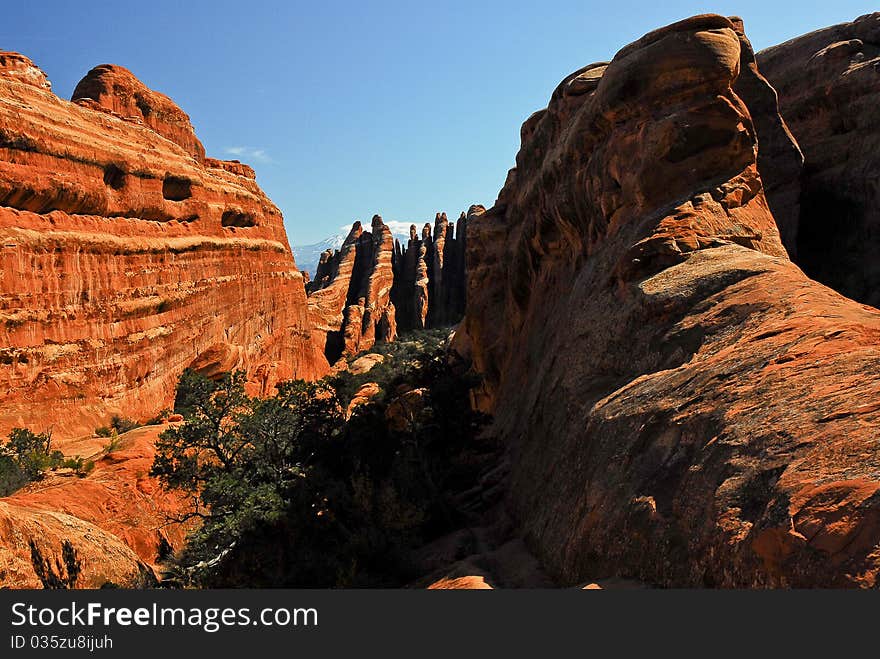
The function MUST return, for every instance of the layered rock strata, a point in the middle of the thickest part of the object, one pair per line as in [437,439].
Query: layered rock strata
[349,300]
[126,256]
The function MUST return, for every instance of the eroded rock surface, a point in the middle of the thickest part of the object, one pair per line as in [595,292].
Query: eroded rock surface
[118,518]
[115,89]
[126,257]
[829,93]
[104,559]
[681,404]
[350,296]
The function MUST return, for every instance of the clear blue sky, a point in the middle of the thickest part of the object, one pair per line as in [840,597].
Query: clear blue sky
[350,108]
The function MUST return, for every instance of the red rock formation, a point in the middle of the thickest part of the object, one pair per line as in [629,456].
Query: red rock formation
[18,67]
[461,583]
[104,558]
[780,160]
[447,276]
[681,404]
[328,294]
[829,93]
[410,290]
[437,292]
[117,517]
[125,258]
[234,166]
[429,276]
[350,297]
[114,88]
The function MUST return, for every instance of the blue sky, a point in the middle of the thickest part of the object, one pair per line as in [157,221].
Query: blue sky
[346,109]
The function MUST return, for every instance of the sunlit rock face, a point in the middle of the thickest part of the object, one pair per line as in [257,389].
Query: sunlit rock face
[116,518]
[350,297]
[127,256]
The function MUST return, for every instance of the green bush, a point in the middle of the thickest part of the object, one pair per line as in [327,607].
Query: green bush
[79,464]
[24,457]
[191,389]
[290,493]
[402,358]
[121,424]
[12,478]
[118,425]
[160,417]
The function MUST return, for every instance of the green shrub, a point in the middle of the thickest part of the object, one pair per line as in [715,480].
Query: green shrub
[24,457]
[121,424]
[290,493]
[118,425]
[79,464]
[113,444]
[160,417]
[192,389]
[12,478]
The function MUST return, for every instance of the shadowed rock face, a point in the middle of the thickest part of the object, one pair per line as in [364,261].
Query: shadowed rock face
[126,257]
[829,93]
[350,297]
[429,275]
[682,405]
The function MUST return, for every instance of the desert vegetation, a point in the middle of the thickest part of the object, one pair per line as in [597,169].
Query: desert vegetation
[26,456]
[301,489]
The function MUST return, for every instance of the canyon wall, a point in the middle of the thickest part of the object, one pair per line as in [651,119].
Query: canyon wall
[680,403]
[828,83]
[127,256]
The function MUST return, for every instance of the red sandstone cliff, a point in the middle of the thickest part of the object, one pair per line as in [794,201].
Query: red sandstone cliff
[681,404]
[126,256]
[350,296]
[829,93]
